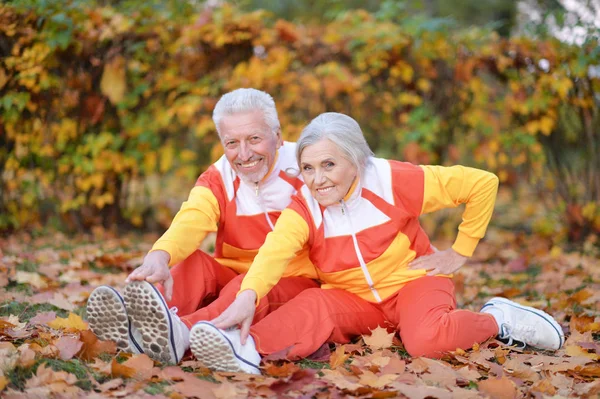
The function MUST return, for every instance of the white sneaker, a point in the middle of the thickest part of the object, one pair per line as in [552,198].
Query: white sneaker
[165,337]
[222,350]
[524,324]
[108,319]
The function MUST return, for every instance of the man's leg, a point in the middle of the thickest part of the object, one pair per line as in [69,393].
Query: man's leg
[429,323]
[196,280]
[312,318]
[286,289]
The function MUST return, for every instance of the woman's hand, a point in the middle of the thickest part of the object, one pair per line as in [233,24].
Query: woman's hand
[240,312]
[440,262]
[155,269]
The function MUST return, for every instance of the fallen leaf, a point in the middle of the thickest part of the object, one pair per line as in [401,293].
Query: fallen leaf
[33,279]
[544,386]
[499,388]
[340,381]
[195,387]
[576,350]
[296,382]
[3,382]
[227,390]
[72,322]
[42,318]
[68,347]
[379,338]
[26,356]
[376,381]
[338,358]
[92,346]
[120,370]
[286,369]
[8,357]
[418,365]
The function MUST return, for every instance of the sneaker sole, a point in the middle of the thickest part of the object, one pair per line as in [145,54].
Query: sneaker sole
[108,319]
[538,312]
[214,349]
[150,315]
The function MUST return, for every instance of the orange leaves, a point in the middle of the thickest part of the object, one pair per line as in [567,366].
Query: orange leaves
[93,347]
[499,388]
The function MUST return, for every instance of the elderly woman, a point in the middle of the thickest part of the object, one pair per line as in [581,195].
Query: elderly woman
[359,216]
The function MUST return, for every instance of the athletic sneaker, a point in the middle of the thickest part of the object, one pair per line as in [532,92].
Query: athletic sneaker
[165,337]
[524,324]
[222,350]
[108,319]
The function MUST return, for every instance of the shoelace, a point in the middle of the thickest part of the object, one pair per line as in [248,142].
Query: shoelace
[174,311]
[525,334]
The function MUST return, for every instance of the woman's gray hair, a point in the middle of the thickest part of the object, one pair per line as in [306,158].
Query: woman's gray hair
[341,130]
[243,100]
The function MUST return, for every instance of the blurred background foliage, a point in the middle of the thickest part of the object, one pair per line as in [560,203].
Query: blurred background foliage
[105,108]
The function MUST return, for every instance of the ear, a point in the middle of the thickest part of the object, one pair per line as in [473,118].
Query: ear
[279,138]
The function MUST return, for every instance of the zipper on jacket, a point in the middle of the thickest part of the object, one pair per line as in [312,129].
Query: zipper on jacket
[262,206]
[361,260]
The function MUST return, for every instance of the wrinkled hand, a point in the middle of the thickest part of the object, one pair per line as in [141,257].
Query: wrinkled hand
[240,312]
[155,269]
[440,262]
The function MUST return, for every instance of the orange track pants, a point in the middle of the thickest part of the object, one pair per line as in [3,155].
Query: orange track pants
[423,311]
[203,289]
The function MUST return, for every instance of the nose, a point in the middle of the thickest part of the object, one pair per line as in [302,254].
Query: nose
[320,177]
[245,152]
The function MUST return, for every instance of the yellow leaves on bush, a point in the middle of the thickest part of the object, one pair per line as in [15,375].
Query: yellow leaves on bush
[402,70]
[408,98]
[72,322]
[204,126]
[113,84]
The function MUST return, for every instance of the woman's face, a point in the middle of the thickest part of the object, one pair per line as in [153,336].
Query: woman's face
[326,172]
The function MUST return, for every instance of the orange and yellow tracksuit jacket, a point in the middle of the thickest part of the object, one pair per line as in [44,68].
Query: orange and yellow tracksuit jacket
[364,244]
[241,213]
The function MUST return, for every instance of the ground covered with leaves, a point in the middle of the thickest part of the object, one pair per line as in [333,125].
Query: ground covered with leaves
[47,349]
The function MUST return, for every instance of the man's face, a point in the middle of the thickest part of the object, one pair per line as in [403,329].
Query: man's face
[250,144]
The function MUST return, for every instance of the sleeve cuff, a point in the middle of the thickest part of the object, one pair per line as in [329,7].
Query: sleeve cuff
[256,285]
[464,244]
[163,246]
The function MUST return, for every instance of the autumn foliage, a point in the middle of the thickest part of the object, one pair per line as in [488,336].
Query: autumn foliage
[48,350]
[106,114]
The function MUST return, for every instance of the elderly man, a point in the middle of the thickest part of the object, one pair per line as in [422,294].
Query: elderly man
[240,198]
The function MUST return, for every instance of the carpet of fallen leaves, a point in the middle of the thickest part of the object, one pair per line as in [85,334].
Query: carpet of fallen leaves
[47,349]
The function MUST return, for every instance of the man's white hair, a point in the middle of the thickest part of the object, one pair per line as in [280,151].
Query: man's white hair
[244,100]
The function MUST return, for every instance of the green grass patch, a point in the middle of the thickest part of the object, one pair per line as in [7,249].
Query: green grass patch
[18,287]
[27,266]
[156,388]
[73,366]
[311,364]
[26,311]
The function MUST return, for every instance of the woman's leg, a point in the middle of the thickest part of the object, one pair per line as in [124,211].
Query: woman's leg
[286,289]
[312,318]
[425,313]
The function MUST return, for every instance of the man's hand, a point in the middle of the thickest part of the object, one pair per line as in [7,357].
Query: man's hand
[155,269]
[440,262]
[241,312]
